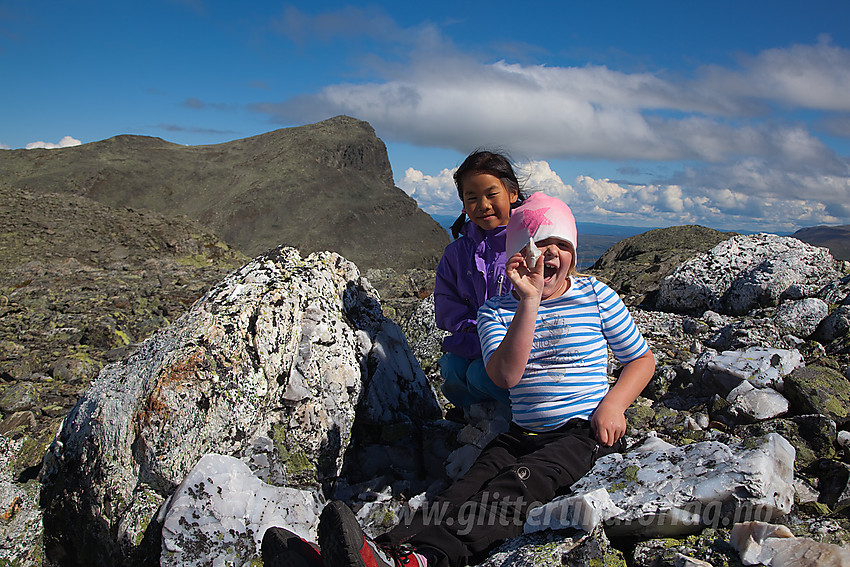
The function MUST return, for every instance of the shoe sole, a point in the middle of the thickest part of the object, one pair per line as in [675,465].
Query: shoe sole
[282,548]
[341,538]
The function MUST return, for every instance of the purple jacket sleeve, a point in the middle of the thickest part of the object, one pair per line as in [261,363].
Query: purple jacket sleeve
[455,308]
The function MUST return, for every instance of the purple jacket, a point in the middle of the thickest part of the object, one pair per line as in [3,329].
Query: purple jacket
[471,271]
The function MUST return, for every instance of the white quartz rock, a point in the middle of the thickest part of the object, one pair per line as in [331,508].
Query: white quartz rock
[680,490]
[222,510]
[756,404]
[760,543]
[763,367]
[583,511]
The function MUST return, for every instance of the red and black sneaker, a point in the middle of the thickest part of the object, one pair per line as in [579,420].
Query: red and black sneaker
[282,548]
[344,544]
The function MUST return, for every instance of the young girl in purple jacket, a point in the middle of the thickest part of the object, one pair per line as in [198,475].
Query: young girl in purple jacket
[471,271]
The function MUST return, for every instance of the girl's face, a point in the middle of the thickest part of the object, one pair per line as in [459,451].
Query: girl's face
[486,201]
[557,261]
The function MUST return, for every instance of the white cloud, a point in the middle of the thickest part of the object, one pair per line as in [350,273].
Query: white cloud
[5,147]
[809,76]
[539,176]
[740,140]
[436,194]
[611,202]
[590,111]
[65,142]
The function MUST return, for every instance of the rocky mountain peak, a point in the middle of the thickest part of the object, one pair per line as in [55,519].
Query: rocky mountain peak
[324,186]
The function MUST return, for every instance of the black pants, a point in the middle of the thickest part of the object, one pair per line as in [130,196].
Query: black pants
[489,504]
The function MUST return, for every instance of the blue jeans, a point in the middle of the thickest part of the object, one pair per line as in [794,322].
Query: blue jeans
[465,382]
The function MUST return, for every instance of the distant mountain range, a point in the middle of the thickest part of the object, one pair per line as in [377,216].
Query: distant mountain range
[836,238]
[325,186]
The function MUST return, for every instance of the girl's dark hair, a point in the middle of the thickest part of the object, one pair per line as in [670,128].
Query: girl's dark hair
[495,164]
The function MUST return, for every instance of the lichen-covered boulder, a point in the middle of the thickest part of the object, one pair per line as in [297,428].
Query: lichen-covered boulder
[565,548]
[711,545]
[664,491]
[284,348]
[800,318]
[746,272]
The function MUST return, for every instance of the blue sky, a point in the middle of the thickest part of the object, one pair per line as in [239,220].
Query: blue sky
[734,115]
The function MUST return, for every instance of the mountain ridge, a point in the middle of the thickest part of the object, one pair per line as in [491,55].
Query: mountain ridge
[836,238]
[325,186]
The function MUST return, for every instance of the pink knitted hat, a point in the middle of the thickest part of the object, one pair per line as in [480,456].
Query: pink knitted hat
[540,216]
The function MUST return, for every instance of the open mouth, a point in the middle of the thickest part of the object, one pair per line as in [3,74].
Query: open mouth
[549,271]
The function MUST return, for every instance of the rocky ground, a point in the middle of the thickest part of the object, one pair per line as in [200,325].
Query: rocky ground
[80,285]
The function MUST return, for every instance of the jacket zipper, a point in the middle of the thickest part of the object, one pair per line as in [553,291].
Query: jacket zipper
[500,280]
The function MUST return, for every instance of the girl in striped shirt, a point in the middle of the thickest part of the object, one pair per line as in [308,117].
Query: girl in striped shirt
[546,343]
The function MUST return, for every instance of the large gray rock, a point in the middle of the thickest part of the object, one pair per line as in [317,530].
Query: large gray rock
[746,272]
[835,325]
[220,512]
[284,348]
[801,317]
[661,490]
[762,367]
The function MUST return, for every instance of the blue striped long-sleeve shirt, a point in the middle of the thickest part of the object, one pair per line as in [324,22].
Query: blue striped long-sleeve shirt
[566,372]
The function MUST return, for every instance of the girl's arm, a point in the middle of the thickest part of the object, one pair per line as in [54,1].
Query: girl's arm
[455,311]
[507,363]
[452,311]
[608,419]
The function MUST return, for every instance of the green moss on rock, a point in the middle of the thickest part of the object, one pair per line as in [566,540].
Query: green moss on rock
[818,390]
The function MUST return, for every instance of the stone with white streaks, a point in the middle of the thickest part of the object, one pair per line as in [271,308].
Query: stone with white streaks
[772,545]
[683,489]
[222,510]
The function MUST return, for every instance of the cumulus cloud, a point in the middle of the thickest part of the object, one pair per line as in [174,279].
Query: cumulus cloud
[65,142]
[740,140]
[538,176]
[611,202]
[436,194]
[590,111]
